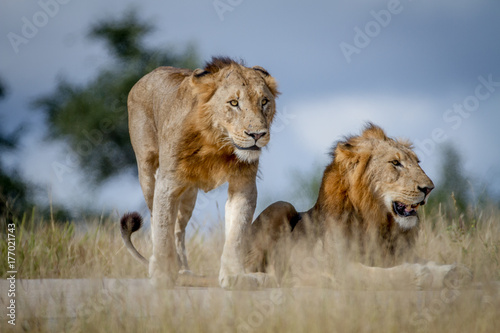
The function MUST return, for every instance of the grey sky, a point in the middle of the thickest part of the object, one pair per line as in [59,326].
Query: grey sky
[408,69]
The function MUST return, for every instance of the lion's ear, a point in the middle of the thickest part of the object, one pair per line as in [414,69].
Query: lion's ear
[203,84]
[352,158]
[345,152]
[199,73]
[270,81]
[262,70]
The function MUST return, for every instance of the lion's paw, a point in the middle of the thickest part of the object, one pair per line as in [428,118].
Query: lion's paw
[186,272]
[163,281]
[248,281]
[161,278]
[457,276]
[423,278]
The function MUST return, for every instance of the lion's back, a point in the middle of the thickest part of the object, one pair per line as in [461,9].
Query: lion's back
[158,103]
[160,84]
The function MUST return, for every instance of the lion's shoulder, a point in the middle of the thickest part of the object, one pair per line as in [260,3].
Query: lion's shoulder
[187,114]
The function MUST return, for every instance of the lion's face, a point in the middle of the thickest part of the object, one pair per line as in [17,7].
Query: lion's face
[400,181]
[392,170]
[241,102]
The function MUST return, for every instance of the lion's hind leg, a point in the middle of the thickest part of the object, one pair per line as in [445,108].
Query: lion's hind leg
[186,206]
[266,243]
[147,167]
[144,140]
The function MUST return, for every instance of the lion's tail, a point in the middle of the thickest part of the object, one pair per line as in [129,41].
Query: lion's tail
[130,223]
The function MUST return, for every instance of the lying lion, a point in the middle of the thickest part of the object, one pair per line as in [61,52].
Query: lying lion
[195,130]
[363,226]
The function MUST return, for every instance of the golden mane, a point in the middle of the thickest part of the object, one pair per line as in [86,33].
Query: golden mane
[354,195]
[349,199]
[204,155]
[366,213]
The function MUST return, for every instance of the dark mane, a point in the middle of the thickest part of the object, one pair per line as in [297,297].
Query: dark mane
[217,63]
[348,141]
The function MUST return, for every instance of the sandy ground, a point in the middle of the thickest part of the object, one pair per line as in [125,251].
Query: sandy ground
[53,298]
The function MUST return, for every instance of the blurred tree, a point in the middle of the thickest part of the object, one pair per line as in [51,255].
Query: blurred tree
[92,118]
[306,187]
[453,183]
[453,186]
[17,194]
[2,89]
[123,36]
[13,191]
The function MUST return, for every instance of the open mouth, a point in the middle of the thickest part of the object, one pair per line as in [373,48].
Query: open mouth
[405,210]
[254,147]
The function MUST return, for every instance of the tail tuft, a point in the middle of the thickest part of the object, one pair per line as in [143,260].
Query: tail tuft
[131,222]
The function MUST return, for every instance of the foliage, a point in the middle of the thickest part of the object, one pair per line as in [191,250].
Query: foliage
[306,187]
[16,194]
[13,195]
[2,89]
[13,191]
[92,117]
[16,197]
[453,186]
[455,194]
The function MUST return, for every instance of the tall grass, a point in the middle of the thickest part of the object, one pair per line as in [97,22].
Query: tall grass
[48,249]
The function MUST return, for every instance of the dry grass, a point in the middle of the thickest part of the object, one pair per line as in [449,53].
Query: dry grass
[94,249]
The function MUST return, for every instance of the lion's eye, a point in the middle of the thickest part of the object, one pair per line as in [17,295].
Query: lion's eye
[396,163]
[265,101]
[233,102]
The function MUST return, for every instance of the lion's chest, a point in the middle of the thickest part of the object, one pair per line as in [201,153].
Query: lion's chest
[206,171]
[209,181]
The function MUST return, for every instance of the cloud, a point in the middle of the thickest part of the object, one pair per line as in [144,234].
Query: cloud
[50,166]
[324,121]
[320,122]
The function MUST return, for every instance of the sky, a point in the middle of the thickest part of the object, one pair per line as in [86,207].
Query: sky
[424,70]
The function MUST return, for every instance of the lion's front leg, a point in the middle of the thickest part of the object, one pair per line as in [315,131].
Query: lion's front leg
[450,276]
[163,265]
[240,207]
[405,276]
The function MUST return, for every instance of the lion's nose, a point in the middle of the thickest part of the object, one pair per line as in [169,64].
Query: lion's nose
[256,135]
[426,189]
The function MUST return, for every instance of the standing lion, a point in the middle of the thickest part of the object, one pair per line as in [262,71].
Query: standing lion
[195,130]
